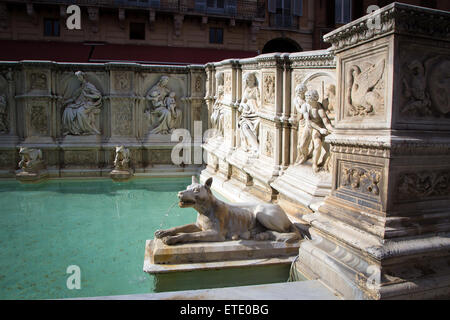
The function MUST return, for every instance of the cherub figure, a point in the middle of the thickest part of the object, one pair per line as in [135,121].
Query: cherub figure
[316,126]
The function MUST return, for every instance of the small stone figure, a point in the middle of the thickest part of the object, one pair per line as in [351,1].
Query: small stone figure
[122,162]
[31,160]
[79,113]
[249,120]
[3,115]
[32,167]
[315,126]
[122,158]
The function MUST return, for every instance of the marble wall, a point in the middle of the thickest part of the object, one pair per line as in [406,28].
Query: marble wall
[77,113]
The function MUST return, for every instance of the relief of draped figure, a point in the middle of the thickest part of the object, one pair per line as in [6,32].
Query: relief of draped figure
[80,110]
[249,120]
[163,113]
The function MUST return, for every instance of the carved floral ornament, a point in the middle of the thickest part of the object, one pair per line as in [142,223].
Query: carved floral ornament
[361,179]
[423,185]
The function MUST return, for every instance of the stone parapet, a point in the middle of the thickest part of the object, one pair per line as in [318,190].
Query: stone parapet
[41,106]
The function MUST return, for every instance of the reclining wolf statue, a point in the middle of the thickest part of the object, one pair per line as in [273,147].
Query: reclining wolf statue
[218,221]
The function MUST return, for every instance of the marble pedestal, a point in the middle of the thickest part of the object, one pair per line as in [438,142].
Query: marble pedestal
[302,186]
[121,175]
[30,177]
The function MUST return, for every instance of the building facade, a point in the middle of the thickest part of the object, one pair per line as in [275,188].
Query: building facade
[142,30]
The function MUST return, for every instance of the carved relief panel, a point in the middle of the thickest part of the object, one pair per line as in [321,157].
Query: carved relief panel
[122,117]
[364,90]
[424,91]
[360,183]
[164,103]
[122,81]
[39,124]
[324,82]
[268,142]
[423,185]
[37,80]
[227,85]
[268,90]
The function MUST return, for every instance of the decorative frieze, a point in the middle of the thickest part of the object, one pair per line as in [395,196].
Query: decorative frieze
[423,185]
[396,17]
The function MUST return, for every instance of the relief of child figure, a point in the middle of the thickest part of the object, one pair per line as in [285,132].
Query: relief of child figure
[171,104]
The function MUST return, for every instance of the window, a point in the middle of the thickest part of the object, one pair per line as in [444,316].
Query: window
[215,35]
[51,27]
[219,4]
[343,11]
[137,31]
[284,12]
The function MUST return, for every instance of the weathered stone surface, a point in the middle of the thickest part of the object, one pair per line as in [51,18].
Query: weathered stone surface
[159,253]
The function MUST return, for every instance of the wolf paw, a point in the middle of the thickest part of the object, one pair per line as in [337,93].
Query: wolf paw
[169,240]
[161,234]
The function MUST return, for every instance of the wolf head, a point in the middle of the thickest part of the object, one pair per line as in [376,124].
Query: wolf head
[196,195]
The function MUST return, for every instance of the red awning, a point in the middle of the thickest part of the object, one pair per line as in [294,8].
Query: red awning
[12,50]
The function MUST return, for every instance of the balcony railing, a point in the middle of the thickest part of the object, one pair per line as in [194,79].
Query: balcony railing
[238,9]
[283,21]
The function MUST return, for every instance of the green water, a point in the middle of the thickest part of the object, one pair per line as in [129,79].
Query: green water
[97,225]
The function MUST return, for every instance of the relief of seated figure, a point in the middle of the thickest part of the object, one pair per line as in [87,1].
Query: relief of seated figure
[80,110]
[163,112]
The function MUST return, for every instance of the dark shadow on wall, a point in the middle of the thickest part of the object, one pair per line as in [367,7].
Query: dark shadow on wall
[281,45]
